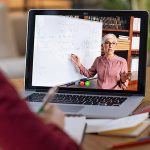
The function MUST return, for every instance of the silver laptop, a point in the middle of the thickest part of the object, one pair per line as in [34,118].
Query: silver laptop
[95,89]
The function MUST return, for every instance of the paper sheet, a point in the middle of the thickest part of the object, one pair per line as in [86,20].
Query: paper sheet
[75,127]
[101,125]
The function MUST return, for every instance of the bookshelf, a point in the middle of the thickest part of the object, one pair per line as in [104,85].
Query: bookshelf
[115,30]
[133,55]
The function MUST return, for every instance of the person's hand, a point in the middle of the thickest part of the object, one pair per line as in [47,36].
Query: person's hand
[52,114]
[76,60]
[125,76]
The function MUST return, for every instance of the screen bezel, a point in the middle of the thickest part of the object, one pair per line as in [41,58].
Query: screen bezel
[142,53]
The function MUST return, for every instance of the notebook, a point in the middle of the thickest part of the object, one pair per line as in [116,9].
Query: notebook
[129,132]
[97,91]
[75,127]
[130,126]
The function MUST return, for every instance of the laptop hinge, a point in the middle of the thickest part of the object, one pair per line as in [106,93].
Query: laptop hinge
[91,93]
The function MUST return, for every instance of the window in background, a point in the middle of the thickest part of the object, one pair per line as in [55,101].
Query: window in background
[23,5]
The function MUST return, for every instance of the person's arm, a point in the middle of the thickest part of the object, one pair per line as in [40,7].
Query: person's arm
[20,129]
[124,76]
[88,72]
[83,71]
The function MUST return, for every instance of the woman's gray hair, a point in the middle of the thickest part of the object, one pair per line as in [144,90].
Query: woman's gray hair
[109,35]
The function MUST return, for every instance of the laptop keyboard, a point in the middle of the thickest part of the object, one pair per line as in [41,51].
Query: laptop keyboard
[79,99]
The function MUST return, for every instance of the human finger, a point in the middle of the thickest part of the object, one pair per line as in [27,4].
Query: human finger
[57,117]
[52,114]
[74,58]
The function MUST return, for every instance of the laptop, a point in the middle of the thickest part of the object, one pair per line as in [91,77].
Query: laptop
[54,35]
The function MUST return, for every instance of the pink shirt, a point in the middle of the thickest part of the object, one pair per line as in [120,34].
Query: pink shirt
[108,72]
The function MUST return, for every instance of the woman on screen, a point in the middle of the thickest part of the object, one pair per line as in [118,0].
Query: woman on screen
[112,71]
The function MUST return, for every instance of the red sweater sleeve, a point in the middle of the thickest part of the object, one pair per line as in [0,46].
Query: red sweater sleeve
[20,129]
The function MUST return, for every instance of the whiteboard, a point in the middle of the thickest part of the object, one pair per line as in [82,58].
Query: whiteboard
[55,39]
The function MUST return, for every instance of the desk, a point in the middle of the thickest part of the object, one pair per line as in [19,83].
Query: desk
[95,142]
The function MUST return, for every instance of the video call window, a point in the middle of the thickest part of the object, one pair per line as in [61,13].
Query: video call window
[87,52]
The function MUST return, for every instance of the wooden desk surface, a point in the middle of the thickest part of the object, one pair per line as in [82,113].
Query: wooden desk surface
[96,142]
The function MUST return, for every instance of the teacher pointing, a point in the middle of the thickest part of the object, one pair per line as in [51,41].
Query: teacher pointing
[112,72]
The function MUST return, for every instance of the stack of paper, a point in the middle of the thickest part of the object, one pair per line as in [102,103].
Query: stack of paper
[129,132]
[75,127]
[134,68]
[124,37]
[135,43]
[136,24]
[127,126]
[123,43]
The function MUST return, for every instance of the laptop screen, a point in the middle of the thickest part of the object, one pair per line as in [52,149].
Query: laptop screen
[88,51]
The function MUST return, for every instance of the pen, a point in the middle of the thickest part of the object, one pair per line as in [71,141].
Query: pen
[51,93]
[131,144]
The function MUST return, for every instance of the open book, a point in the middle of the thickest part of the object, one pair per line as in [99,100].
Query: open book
[75,127]
[129,132]
[130,126]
